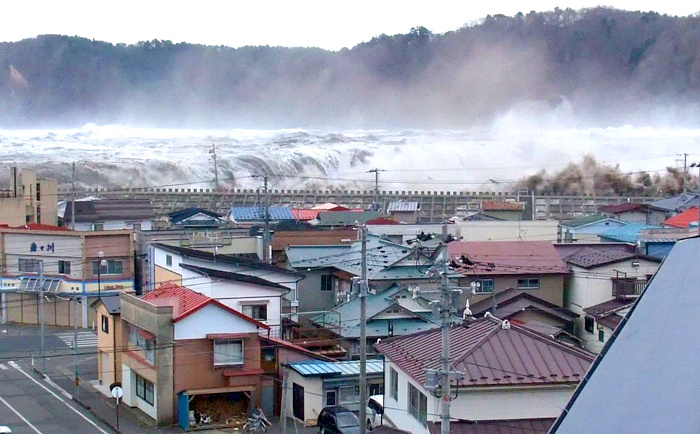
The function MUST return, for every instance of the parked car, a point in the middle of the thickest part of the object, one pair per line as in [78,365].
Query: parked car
[5,430]
[338,420]
[375,411]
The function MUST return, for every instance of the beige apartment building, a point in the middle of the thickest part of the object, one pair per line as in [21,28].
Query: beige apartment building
[28,199]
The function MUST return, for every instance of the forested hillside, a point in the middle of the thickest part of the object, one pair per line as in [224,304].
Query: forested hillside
[597,63]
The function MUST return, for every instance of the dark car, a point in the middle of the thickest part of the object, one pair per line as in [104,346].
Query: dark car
[338,420]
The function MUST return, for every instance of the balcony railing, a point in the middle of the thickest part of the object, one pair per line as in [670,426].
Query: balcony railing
[628,288]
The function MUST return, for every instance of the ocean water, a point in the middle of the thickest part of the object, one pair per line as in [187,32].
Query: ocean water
[114,156]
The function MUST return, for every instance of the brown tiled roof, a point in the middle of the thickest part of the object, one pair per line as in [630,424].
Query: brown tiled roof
[514,426]
[611,321]
[509,257]
[591,257]
[490,355]
[608,307]
[512,301]
[624,207]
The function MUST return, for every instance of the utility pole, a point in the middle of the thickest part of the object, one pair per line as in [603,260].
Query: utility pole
[75,343]
[216,169]
[685,167]
[41,315]
[283,411]
[445,301]
[376,186]
[363,332]
[266,237]
[72,203]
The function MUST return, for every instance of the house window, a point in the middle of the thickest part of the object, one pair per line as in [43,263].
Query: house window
[98,227]
[255,311]
[589,323]
[133,336]
[105,324]
[38,191]
[112,267]
[417,404]
[63,267]
[136,226]
[169,260]
[144,389]
[394,383]
[149,350]
[349,394]
[326,283]
[528,284]
[376,389]
[485,286]
[601,335]
[29,265]
[330,397]
[228,352]
[138,342]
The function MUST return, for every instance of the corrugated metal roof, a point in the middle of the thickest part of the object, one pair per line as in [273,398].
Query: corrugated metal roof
[305,214]
[678,202]
[629,233]
[257,213]
[512,301]
[490,355]
[591,257]
[349,368]
[510,426]
[509,257]
[684,219]
[402,206]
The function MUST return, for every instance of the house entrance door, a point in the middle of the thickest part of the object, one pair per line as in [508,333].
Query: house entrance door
[298,401]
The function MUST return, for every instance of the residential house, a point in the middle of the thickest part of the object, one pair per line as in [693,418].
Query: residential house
[186,351]
[397,311]
[491,267]
[240,282]
[478,216]
[108,214]
[69,262]
[635,213]
[404,211]
[329,206]
[684,219]
[540,230]
[275,214]
[502,209]
[196,218]
[630,233]
[511,373]
[677,203]
[587,228]
[658,242]
[338,219]
[309,237]
[109,338]
[643,380]
[29,199]
[315,385]
[408,233]
[601,274]
[602,319]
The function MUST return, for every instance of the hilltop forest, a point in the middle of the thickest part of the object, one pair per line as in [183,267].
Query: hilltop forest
[597,63]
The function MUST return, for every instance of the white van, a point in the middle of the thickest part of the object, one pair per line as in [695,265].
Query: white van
[375,411]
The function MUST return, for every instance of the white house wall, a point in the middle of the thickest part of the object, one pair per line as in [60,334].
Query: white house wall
[113,225]
[65,248]
[314,401]
[397,410]
[211,319]
[511,404]
[237,294]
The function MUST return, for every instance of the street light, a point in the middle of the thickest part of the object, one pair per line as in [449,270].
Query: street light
[101,263]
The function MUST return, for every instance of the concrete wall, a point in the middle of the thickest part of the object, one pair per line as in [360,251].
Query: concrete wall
[23,309]
[12,211]
[158,321]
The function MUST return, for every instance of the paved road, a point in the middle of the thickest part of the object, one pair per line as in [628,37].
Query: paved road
[29,405]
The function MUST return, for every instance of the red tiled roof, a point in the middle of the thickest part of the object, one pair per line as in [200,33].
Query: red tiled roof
[509,257]
[186,301]
[305,214]
[683,219]
[494,205]
[490,355]
[41,227]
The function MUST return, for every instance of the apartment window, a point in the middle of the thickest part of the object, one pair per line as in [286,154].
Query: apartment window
[149,350]
[29,265]
[349,394]
[105,324]
[112,267]
[133,336]
[169,260]
[528,284]
[63,267]
[601,335]
[394,384]
[485,286]
[330,397]
[588,324]
[38,191]
[326,283]
[256,311]
[138,341]
[144,389]
[98,227]
[228,352]
[417,404]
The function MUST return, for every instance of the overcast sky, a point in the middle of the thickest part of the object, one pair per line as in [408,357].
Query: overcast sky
[330,24]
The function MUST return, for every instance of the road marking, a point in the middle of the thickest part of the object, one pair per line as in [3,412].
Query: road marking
[85,338]
[16,366]
[24,419]
[3,367]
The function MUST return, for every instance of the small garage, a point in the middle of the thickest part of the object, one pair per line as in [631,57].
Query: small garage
[226,407]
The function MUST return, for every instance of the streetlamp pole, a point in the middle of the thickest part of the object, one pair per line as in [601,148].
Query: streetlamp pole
[100,263]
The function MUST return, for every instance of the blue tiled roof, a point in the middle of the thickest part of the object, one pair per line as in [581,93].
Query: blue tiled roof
[257,213]
[325,369]
[627,234]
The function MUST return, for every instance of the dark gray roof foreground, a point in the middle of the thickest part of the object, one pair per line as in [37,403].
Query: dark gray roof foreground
[645,379]
[228,275]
